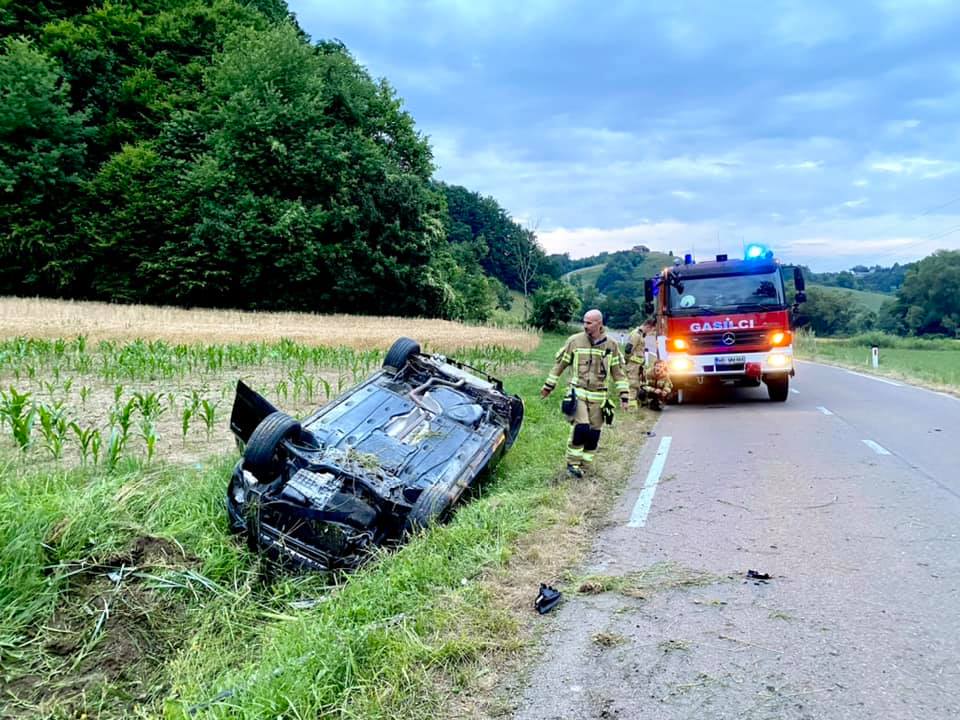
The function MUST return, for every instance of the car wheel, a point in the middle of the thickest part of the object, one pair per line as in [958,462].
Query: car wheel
[778,388]
[400,352]
[432,506]
[260,456]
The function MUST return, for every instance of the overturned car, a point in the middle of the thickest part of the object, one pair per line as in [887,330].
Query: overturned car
[391,455]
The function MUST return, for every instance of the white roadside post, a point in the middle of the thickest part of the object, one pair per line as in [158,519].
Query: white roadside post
[875,355]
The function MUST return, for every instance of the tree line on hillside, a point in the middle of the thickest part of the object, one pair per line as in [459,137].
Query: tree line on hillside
[860,277]
[206,152]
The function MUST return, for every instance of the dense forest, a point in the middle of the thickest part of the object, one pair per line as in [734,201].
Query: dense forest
[206,152]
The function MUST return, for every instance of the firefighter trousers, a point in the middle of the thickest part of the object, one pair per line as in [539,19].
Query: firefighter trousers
[585,425]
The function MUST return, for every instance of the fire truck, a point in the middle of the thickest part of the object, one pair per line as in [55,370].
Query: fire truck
[726,321]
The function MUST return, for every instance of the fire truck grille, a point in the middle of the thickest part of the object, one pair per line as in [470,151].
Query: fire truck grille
[720,341]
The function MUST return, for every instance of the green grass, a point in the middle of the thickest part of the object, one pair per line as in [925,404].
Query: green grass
[935,362]
[588,275]
[866,300]
[122,593]
[512,317]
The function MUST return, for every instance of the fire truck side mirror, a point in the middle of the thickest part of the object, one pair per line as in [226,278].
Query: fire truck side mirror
[798,281]
[801,297]
[648,292]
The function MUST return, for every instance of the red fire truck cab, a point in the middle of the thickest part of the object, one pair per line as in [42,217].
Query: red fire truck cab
[726,321]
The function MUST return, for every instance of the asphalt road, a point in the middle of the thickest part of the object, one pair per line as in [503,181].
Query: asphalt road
[847,495]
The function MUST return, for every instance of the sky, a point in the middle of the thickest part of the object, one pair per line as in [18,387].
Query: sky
[825,130]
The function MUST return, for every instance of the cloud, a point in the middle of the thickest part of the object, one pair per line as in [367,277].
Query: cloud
[687,119]
[805,165]
[925,168]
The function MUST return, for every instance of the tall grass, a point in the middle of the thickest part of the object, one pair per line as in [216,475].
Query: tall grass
[228,638]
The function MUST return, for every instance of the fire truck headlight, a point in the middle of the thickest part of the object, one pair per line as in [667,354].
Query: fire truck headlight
[681,365]
[678,344]
[779,337]
[778,361]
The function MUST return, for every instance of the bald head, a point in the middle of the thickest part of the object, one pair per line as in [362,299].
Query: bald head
[593,324]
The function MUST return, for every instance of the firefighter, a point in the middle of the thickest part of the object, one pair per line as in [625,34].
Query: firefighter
[593,358]
[633,355]
[657,387]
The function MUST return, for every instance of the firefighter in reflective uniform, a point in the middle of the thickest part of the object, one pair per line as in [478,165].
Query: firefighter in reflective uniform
[633,355]
[594,358]
[657,387]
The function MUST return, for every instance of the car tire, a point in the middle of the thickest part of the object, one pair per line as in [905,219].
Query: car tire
[433,505]
[778,388]
[260,455]
[400,352]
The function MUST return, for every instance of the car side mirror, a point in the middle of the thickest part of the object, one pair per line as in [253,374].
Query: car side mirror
[648,292]
[801,297]
[798,281]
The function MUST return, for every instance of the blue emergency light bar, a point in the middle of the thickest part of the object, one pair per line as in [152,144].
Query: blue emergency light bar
[755,252]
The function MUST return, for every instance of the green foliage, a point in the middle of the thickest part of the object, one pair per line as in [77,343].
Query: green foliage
[41,159]
[554,306]
[929,300]
[504,249]
[205,151]
[873,279]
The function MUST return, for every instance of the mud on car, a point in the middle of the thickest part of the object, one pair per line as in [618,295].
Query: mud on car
[393,454]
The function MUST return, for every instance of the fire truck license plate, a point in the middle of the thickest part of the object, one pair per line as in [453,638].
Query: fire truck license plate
[730,360]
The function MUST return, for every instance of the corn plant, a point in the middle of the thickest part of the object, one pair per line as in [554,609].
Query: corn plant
[54,426]
[19,413]
[89,440]
[148,431]
[185,418]
[117,393]
[327,389]
[84,395]
[149,405]
[121,418]
[208,413]
[114,448]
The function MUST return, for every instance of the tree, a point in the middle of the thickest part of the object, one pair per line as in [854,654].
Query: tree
[42,152]
[827,312]
[929,300]
[526,257]
[553,306]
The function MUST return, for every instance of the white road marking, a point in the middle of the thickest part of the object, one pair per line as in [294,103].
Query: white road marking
[794,391]
[822,409]
[638,517]
[878,379]
[878,449]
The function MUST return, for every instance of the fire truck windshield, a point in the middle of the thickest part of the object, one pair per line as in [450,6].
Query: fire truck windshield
[728,293]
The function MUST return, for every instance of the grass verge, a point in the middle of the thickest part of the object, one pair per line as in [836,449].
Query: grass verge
[123,595]
[935,363]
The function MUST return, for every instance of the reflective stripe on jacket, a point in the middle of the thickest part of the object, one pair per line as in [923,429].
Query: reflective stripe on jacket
[592,364]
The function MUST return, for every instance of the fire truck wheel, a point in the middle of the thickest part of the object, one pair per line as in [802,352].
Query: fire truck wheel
[778,388]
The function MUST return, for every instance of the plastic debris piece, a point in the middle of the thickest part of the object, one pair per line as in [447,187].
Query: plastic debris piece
[547,599]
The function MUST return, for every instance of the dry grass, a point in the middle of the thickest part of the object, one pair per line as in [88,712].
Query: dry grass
[44,318]
[547,555]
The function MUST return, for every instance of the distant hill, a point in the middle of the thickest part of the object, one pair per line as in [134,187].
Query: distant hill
[866,300]
[587,275]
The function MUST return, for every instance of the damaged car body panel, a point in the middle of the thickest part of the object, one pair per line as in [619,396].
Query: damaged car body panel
[392,454]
